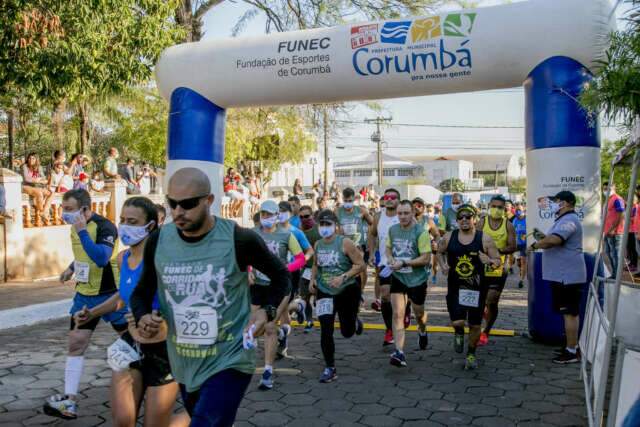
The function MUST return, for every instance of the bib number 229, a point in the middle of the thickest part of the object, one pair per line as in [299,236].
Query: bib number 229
[196,325]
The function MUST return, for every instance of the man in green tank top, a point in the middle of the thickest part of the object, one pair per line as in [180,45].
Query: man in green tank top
[197,266]
[408,250]
[304,309]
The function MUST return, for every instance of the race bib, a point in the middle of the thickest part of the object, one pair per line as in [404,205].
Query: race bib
[196,325]
[469,298]
[407,269]
[81,270]
[120,355]
[324,306]
[349,229]
[306,274]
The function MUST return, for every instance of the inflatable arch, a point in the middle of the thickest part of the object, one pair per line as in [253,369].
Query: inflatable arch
[550,46]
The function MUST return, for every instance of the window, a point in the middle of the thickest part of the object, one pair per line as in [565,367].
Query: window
[343,174]
[388,172]
[362,172]
[405,172]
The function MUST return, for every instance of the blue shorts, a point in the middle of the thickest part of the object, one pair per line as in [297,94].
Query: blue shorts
[116,318]
[522,250]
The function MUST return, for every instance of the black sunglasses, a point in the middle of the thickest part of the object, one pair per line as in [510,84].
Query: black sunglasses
[465,216]
[305,216]
[185,204]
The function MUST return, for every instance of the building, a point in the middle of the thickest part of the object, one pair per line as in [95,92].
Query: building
[441,169]
[362,171]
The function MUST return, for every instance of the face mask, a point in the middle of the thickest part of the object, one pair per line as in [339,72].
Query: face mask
[348,205]
[455,206]
[327,230]
[496,213]
[283,217]
[519,212]
[269,222]
[308,223]
[554,207]
[431,215]
[71,217]
[131,235]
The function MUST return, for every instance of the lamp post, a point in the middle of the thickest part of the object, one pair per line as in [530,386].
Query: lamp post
[313,161]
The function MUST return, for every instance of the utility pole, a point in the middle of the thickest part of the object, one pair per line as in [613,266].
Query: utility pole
[326,149]
[377,138]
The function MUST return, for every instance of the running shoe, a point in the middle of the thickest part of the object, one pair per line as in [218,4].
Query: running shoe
[484,339]
[308,327]
[520,284]
[398,359]
[359,326]
[423,340]
[61,406]
[300,317]
[266,382]
[376,305]
[328,375]
[470,363]
[458,343]
[561,350]
[567,357]
[283,334]
[388,338]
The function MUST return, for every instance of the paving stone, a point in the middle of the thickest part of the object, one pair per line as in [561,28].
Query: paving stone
[398,401]
[16,380]
[476,410]
[493,422]
[307,422]
[341,417]
[437,405]
[542,406]
[381,421]
[296,412]
[421,423]
[334,405]
[451,418]
[518,414]
[21,404]
[563,420]
[408,414]
[269,419]
[45,384]
[298,399]
[371,409]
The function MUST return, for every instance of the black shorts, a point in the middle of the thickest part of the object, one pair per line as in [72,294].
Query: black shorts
[473,315]
[495,283]
[566,298]
[260,295]
[365,253]
[417,294]
[304,288]
[154,365]
[383,281]
[295,283]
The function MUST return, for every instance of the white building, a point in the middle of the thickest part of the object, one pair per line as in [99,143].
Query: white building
[441,169]
[309,171]
[363,170]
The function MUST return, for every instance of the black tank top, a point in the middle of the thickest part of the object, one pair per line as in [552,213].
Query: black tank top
[465,267]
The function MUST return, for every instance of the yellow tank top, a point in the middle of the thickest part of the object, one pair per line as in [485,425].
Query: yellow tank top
[500,237]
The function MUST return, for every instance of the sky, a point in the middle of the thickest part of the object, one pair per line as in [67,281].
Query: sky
[502,108]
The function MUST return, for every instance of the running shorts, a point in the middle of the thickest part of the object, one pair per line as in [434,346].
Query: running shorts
[417,294]
[116,318]
[565,298]
[260,295]
[154,365]
[473,315]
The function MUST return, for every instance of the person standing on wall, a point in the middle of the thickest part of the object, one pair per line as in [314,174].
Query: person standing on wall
[613,225]
[564,266]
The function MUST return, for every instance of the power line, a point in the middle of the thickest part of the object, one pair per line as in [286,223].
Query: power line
[425,125]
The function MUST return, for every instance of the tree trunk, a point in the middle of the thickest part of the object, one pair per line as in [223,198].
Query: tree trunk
[10,136]
[83,114]
[58,124]
[184,18]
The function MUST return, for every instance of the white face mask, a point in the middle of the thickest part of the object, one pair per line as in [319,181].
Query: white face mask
[71,217]
[455,206]
[283,217]
[131,235]
[269,222]
[554,207]
[348,205]
[326,230]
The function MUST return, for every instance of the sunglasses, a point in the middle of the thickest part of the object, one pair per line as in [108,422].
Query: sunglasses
[185,204]
[464,217]
[305,216]
[390,197]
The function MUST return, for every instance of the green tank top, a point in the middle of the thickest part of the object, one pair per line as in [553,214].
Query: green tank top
[278,244]
[312,236]
[404,247]
[332,262]
[351,224]
[204,296]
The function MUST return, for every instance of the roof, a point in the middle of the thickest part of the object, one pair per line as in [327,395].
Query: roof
[370,161]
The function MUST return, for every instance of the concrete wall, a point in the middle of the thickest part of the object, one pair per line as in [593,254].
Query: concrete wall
[47,251]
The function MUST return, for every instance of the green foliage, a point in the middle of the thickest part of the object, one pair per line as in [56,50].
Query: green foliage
[451,185]
[622,175]
[518,186]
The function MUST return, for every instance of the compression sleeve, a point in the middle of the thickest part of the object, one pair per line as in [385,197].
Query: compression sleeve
[143,295]
[298,262]
[99,253]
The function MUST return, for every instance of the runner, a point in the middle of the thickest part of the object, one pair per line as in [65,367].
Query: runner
[520,226]
[280,242]
[378,232]
[462,254]
[95,269]
[447,218]
[351,219]
[285,211]
[310,230]
[424,216]
[334,279]
[430,212]
[500,229]
[146,373]
[196,265]
[408,249]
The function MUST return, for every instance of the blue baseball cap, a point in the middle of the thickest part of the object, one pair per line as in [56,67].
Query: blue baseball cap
[269,206]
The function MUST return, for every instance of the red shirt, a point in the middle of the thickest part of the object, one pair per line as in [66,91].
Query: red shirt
[615,207]
[230,183]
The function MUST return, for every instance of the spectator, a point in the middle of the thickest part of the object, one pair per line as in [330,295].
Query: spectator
[509,210]
[97,183]
[35,185]
[334,192]
[297,188]
[3,202]
[613,225]
[564,266]
[162,214]
[254,192]
[371,194]
[60,181]
[83,182]
[448,221]
[632,254]
[230,183]
[295,216]
[144,179]
[129,176]
[59,156]
[110,165]
[75,167]
[86,164]
[323,203]
[363,195]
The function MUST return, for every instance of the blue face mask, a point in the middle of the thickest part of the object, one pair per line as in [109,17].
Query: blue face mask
[326,231]
[283,217]
[554,207]
[347,205]
[131,235]
[518,212]
[71,217]
[269,222]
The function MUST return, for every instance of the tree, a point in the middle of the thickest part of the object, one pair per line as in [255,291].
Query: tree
[623,172]
[451,185]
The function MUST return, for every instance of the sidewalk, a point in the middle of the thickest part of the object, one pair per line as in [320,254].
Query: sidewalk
[22,294]
[515,385]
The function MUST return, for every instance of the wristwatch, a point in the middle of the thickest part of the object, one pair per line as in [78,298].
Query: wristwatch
[271,312]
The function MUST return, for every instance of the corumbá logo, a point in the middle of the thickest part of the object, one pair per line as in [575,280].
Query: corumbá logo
[436,45]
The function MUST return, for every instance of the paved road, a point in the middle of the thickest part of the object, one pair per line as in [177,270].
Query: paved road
[515,384]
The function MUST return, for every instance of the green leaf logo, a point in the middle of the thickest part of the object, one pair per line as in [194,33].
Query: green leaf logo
[459,24]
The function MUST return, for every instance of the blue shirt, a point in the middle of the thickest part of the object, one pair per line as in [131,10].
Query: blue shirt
[300,237]
[565,263]
[129,279]
[520,225]
[295,221]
